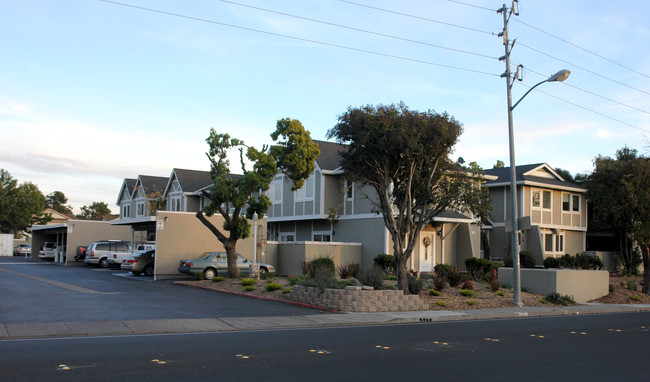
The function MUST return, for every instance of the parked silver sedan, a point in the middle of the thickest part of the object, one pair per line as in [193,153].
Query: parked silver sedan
[212,264]
[141,262]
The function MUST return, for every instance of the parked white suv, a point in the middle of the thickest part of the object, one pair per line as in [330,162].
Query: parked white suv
[48,250]
[103,253]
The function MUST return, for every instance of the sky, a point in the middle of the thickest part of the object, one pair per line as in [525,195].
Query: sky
[92,92]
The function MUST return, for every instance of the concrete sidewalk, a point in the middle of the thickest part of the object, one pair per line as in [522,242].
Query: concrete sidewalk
[65,329]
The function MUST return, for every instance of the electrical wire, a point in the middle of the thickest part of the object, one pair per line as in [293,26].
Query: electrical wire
[359,30]
[299,38]
[416,17]
[592,93]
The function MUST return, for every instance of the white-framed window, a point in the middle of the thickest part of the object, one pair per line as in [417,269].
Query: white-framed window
[322,236]
[275,191]
[126,210]
[570,202]
[349,190]
[306,192]
[553,243]
[140,209]
[541,199]
[174,202]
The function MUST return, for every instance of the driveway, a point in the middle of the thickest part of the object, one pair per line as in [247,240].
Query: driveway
[37,292]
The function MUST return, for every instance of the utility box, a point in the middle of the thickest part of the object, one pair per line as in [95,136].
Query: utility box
[6,244]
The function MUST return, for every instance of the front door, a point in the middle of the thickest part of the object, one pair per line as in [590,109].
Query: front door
[426,252]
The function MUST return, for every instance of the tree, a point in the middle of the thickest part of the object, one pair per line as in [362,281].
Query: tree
[58,202]
[95,211]
[21,206]
[499,164]
[403,156]
[619,192]
[231,196]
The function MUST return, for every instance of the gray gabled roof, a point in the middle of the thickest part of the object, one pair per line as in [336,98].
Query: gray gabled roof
[190,180]
[128,185]
[152,184]
[526,175]
[329,158]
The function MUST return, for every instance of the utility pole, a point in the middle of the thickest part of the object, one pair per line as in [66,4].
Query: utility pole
[514,247]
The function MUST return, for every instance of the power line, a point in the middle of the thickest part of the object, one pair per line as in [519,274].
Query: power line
[471,5]
[592,93]
[298,38]
[359,29]
[416,17]
[583,49]
[582,68]
[591,110]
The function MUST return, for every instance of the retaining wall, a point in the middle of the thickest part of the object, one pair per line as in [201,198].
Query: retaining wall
[583,285]
[358,300]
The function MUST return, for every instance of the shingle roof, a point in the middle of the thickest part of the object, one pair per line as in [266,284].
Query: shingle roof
[192,180]
[130,184]
[329,158]
[503,176]
[153,183]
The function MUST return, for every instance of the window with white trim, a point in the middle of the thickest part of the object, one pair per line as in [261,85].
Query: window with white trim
[140,209]
[554,243]
[275,191]
[570,202]
[322,236]
[306,192]
[126,210]
[541,199]
[349,190]
[287,236]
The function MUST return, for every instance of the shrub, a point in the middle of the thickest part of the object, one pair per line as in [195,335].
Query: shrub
[631,285]
[293,280]
[500,293]
[467,292]
[386,263]
[198,276]
[526,260]
[477,268]
[471,302]
[373,277]
[249,288]
[441,303]
[567,261]
[467,285]
[350,270]
[557,299]
[525,289]
[217,279]
[454,277]
[494,285]
[611,288]
[551,262]
[635,298]
[390,277]
[388,287]
[322,279]
[415,285]
[439,283]
[272,286]
[248,282]
[543,301]
[441,270]
[322,263]
[434,292]
[286,290]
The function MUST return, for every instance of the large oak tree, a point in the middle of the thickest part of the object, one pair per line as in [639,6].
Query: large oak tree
[21,206]
[237,197]
[403,155]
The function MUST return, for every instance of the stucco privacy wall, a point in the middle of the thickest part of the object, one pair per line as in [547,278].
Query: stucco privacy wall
[291,254]
[181,236]
[583,285]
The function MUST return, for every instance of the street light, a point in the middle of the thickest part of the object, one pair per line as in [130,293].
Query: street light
[559,76]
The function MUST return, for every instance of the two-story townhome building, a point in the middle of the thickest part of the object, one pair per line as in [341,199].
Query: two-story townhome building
[326,209]
[552,212]
[183,190]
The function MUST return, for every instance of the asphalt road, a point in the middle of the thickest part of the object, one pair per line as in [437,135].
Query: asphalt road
[37,292]
[595,348]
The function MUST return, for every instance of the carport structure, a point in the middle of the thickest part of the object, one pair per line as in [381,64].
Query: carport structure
[75,233]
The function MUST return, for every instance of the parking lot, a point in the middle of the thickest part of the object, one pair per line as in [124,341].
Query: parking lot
[36,291]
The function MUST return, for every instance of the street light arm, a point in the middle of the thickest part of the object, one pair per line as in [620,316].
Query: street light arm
[525,94]
[559,76]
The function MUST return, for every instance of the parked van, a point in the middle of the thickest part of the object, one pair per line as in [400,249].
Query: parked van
[48,250]
[103,253]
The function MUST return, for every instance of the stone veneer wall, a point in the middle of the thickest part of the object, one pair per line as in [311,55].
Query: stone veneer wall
[358,300]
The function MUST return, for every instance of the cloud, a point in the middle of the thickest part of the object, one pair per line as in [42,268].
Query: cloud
[603,134]
[14,108]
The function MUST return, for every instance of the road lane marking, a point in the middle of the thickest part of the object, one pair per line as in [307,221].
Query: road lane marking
[59,284]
